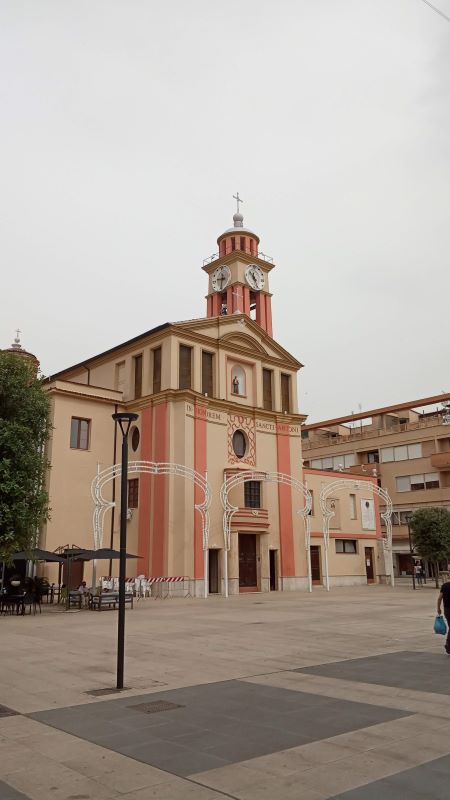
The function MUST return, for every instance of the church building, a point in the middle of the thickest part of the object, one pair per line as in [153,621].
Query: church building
[216,396]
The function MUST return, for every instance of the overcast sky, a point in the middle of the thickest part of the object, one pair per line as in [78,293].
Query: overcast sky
[127,125]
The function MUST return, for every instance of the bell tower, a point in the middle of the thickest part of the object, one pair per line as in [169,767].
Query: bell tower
[239,275]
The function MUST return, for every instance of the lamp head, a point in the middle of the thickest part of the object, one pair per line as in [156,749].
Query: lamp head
[125,418]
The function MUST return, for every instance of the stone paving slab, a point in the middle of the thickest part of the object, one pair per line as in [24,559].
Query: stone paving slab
[430,781]
[7,792]
[424,672]
[216,724]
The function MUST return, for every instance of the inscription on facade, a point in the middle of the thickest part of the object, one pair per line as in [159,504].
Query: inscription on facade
[264,426]
[206,413]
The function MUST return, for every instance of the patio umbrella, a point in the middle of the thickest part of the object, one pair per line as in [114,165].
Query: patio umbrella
[109,554]
[36,554]
[78,554]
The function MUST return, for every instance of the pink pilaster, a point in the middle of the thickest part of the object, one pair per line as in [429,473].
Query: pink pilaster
[269,315]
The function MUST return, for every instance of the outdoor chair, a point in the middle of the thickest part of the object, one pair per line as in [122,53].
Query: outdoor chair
[32,601]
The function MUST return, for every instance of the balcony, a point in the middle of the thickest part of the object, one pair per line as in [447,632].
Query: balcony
[365,470]
[260,255]
[357,434]
[249,518]
[440,461]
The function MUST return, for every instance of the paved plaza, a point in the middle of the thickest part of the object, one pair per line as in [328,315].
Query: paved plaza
[343,695]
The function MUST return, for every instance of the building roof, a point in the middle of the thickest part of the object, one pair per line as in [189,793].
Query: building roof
[107,352]
[376,412]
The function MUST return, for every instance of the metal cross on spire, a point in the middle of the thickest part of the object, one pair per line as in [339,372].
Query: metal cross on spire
[238,200]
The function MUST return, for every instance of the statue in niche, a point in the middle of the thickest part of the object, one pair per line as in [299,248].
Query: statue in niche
[236,385]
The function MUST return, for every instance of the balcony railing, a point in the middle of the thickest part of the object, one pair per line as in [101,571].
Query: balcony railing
[440,461]
[358,434]
[215,256]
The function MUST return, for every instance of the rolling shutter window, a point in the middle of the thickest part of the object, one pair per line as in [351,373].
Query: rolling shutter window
[138,376]
[185,370]
[207,373]
[285,393]
[401,453]
[267,389]
[156,370]
[415,450]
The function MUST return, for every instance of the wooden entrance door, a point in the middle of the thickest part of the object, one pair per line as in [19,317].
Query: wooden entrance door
[213,572]
[316,566]
[73,573]
[248,579]
[370,572]
[273,570]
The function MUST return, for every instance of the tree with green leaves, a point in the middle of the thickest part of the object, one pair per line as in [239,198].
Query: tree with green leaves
[24,430]
[430,534]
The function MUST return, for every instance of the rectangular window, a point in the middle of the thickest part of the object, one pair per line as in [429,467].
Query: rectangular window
[137,376]
[431,480]
[373,457]
[80,433]
[133,493]
[415,451]
[285,393]
[233,243]
[417,483]
[353,506]
[243,243]
[346,546]
[207,373]
[185,369]
[349,460]
[316,463]
[157,360]
[267,389]
[387,454]
[327,463]
[403,484]
[401,453]
[252,494]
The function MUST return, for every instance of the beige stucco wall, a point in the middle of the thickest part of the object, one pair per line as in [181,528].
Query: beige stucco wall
[345,564]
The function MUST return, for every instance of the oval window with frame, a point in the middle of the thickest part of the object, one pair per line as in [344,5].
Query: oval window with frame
[239,444]
[135,438]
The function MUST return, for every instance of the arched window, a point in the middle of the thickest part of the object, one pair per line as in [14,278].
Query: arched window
[239,444]
[238,381]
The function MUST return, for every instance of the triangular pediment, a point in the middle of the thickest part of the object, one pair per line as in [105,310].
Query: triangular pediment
[244,340]
[239,333]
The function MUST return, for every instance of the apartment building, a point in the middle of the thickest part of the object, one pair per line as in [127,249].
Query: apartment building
[406,447]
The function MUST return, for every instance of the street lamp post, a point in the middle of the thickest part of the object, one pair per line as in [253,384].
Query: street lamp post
[124,419]
[408,522]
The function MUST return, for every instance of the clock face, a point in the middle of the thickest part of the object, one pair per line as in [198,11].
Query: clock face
[255,277]
[220,278]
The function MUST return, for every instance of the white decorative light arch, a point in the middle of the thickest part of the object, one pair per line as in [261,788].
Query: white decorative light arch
[270,477]
[102,505]
[328,514]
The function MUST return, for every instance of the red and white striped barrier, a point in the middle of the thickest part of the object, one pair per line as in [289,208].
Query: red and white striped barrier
[141,586]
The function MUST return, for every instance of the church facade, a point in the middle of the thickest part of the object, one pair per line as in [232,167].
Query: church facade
[217,396]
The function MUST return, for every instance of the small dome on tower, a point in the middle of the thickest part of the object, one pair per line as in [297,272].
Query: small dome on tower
[238,220]
[18,350]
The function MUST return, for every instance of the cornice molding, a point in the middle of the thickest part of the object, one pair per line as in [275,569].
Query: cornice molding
[227,406]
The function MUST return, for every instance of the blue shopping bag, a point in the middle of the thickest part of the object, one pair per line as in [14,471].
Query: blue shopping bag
[439,625]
